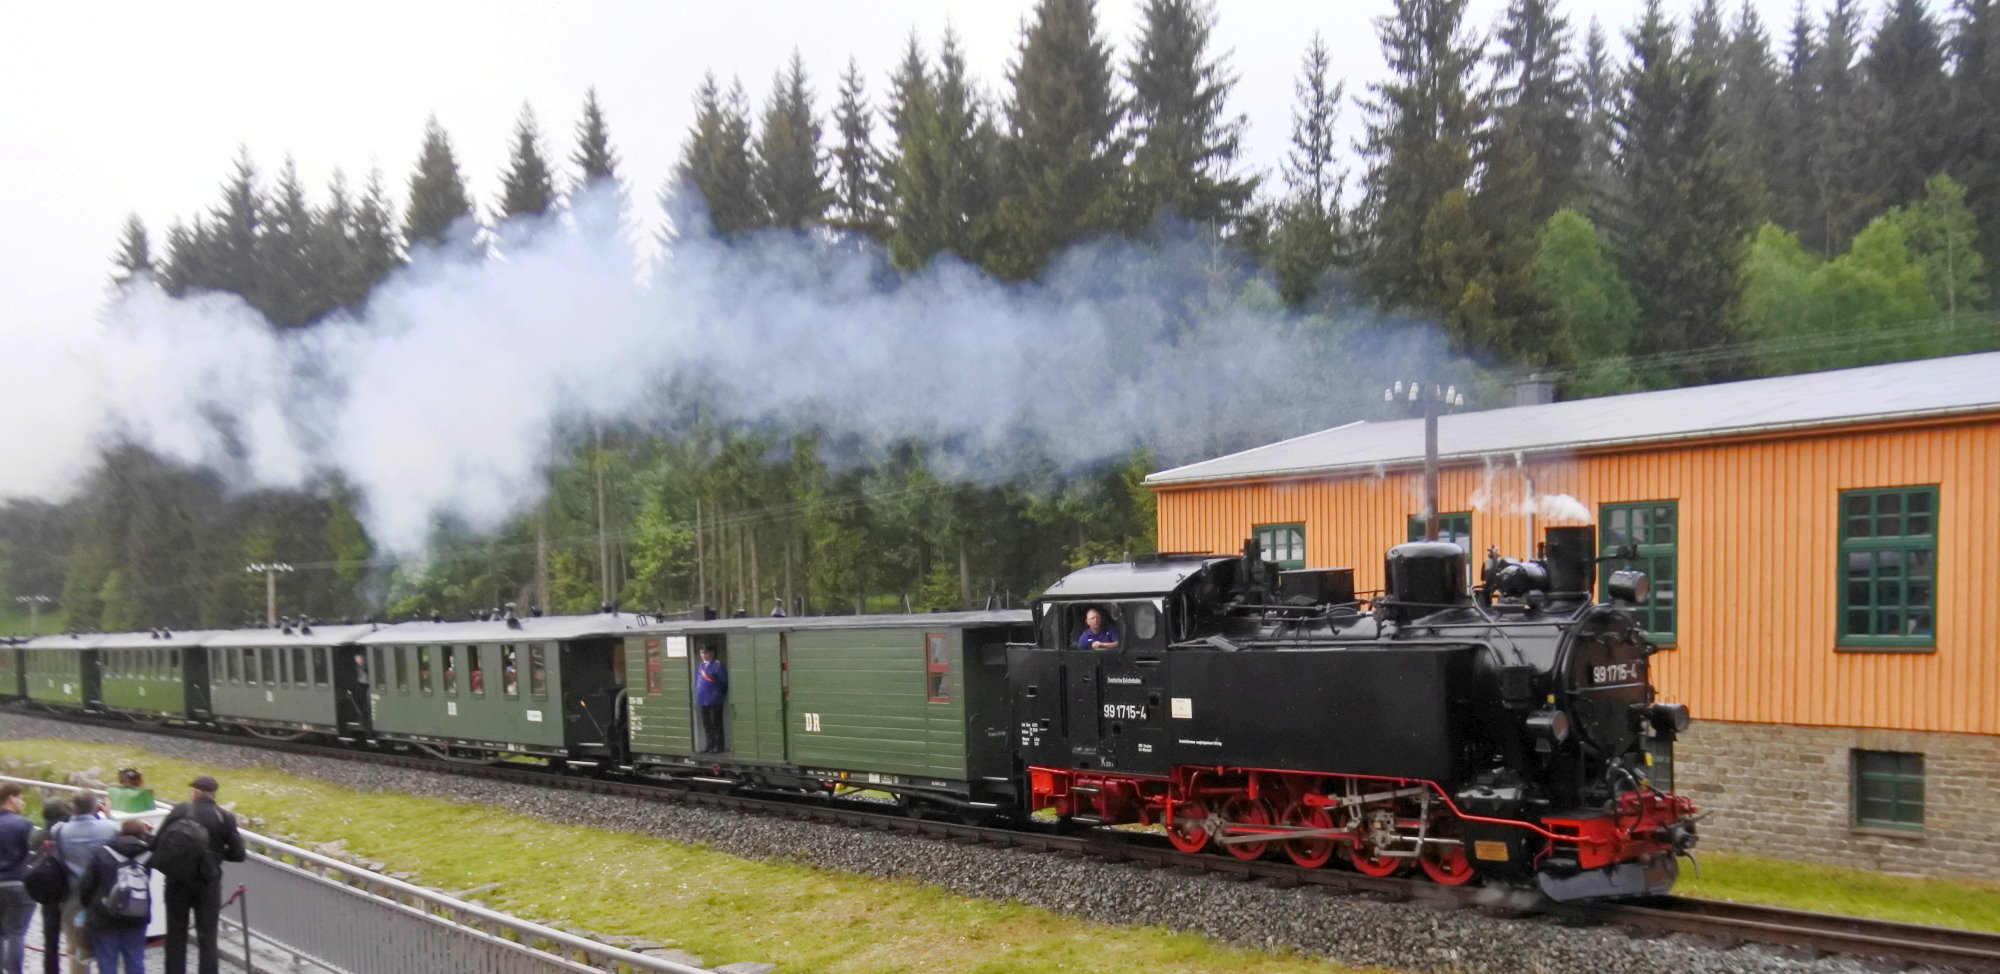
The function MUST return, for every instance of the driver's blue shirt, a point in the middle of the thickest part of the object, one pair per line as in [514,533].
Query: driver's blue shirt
[1108,634]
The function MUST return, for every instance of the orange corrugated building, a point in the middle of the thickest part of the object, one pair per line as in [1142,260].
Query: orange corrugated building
[1825,550]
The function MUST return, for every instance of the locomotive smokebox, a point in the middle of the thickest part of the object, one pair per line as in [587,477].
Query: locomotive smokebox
[1424,576]
[1570,555]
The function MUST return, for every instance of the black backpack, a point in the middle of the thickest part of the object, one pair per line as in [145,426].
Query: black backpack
[45,878]
[182,853]
[130,895]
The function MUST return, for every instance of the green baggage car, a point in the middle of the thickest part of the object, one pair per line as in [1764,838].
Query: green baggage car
[287,680]
[62,670]
[541,686]
[915,705]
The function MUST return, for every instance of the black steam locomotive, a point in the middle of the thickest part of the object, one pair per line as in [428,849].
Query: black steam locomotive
[1509,732]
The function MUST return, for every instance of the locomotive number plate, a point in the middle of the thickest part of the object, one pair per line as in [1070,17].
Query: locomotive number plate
[1617,673]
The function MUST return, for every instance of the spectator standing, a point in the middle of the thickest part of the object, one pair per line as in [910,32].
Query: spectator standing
[77,842]
[130,795]
[711,689]
[116,892]
[55,811]
[197,889]
[15,906]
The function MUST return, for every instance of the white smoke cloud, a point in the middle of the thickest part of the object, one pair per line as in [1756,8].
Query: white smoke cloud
[448,395]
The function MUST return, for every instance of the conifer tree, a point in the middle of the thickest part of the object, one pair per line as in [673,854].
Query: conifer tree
[1975,114]
[227,243]
[183,257]
[528,188]
[287,288]
[858,193]
[716,167]
[1753,111]
[1184,142]
[1533,155]
[1422,123]
[1309,241]
[331,250]
[941,178]
[597,174]
[1904,109]
[1063,157]
[1708,39]
[377,248]
[438,200]
[790,168]
[1683,219]
[134,260]
[1793,190]
[1834,139]
[1598,80]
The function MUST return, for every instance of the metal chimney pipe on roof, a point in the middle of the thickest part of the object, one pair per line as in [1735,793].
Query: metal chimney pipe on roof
[1535,390]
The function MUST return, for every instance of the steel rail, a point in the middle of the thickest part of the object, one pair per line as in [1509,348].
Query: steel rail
[1719,920]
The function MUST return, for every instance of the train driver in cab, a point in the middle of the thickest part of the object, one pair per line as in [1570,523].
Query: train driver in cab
[1098,632]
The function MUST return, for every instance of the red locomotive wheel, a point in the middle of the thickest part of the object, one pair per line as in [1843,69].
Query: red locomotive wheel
[1247,811]
[1447,864]
[1310,853]
[1189,829]
[1369,864]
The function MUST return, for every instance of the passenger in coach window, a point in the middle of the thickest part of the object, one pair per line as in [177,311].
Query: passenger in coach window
[1098,633]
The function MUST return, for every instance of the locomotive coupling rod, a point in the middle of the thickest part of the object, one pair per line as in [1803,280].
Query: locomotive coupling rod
[1282,833]
[1380,796]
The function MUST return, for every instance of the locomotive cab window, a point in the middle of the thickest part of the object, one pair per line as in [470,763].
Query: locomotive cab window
[1142,626]
[1111,628]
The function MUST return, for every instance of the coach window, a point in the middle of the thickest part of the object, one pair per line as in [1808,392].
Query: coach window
[656,668]
[250,666]
[1888,554]
[510,682]
[1650,530]
[538,672]
[380,670]
[1888,790]
[231,665]
[424,670]
[268,661]
[1282,543]
[937,666]
[322,669]
[403,670]
[475,671]
[450,671]
[173,664]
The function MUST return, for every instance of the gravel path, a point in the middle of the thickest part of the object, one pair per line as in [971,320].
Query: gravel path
[1349,928]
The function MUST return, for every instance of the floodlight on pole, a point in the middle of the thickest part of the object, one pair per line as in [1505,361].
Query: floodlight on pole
[270,570]
[34,604]
[1432,400]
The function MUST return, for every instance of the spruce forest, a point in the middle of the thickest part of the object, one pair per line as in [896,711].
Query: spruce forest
[1694,197]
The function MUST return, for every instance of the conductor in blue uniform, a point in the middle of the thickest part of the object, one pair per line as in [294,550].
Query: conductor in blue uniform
[711,688]
[1098,634]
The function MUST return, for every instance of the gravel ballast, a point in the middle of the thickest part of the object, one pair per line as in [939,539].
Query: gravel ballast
[1348,928]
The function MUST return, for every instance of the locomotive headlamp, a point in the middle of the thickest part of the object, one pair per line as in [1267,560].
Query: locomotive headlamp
[1629,585]
[1670,717]
[1549,725]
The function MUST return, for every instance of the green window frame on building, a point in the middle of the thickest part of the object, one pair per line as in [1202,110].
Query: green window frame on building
[1282,543]
[1888,789]
[1888,568]
[1453,526]
[1653,529]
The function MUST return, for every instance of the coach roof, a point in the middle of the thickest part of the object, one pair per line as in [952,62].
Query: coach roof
[1956,385]
[909,620]
[320,635]
[526,628]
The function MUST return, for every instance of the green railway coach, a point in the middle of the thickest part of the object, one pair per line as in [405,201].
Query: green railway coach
[914,704]
[61,670]
[156,674]
[544,686]
[287,679]
[13,679]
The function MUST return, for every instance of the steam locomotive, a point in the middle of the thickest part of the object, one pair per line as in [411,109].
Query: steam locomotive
[1509,732]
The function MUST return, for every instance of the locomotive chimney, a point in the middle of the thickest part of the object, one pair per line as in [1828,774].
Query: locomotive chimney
[1571,555]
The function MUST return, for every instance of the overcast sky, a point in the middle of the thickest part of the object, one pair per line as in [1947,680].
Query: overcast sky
[114,108]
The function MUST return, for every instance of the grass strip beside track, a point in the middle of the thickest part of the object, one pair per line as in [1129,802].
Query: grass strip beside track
[709,903]
[1966,904]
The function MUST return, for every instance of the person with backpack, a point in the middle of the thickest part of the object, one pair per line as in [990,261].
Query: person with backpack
[194,840]
[117,892]
[55,811]
[77,842]
[16,909]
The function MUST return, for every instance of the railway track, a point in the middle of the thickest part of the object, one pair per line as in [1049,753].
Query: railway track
[1819,934]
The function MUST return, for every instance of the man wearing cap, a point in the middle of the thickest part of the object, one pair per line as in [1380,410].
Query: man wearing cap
[202,895]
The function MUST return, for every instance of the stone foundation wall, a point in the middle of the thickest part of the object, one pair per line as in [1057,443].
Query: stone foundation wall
[1785,791]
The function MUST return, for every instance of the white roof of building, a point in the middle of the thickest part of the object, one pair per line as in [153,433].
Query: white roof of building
[1902,390]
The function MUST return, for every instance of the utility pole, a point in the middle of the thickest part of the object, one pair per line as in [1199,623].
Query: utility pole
[1431,399]
[270,570]
[34,604]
